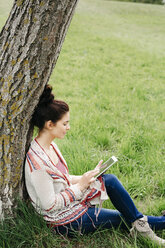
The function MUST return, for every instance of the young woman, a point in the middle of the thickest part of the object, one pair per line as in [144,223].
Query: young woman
[69,202]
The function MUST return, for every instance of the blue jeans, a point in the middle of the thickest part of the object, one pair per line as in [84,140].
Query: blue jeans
[125,214]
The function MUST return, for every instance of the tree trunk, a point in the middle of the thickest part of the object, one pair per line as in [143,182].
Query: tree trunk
[30,43]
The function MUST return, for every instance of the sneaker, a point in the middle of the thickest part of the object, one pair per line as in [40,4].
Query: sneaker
[142,227]
[163,212]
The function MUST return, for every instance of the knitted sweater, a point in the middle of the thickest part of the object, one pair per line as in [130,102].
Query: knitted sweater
[51,191]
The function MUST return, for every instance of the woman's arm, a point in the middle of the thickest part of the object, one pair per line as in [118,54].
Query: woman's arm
[46,197]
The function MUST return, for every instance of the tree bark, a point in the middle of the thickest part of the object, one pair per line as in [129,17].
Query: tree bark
[30,43]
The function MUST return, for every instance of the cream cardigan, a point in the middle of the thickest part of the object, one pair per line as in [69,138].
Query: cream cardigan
[51,191]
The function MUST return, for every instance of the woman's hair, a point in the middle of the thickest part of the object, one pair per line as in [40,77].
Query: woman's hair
[48,109]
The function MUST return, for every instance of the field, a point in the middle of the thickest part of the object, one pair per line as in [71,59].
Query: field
[111,72]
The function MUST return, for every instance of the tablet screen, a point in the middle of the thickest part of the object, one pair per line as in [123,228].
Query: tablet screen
[104,167]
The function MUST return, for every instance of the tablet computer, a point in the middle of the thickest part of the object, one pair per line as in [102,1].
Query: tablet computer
[105,166]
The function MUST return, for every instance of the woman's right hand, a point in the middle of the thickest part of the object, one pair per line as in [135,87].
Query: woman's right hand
[86,179]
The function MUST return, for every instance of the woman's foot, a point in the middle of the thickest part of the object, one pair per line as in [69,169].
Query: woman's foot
[142,227]
[163,212]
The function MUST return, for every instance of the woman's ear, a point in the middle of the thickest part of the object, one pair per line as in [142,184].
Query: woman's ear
[49,124]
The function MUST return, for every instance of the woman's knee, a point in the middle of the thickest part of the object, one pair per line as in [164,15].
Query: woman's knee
[110,180]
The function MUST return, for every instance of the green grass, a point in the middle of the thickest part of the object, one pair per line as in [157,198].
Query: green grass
[111,72]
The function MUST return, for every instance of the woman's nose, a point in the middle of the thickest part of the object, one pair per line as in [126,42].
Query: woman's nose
[68,127]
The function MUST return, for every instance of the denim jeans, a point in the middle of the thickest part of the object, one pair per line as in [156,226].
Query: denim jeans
[125,214]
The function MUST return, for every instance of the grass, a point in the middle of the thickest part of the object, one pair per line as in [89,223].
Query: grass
[111,72]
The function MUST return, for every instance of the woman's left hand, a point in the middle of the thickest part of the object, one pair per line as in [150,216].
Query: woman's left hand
[99,165]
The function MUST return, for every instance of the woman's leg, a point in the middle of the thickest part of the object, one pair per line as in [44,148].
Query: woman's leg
[156,222]
[123,203]
[127,212]
[120,198]
[90,221]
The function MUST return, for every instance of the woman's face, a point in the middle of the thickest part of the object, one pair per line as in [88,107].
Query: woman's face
[61,127]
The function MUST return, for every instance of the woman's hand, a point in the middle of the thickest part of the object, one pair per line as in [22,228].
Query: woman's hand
[88,177]
[99,165]
[75,179]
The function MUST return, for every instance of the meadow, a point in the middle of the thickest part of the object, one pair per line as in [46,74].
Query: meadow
[111,72]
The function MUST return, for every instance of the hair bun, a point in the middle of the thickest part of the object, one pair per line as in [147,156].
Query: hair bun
[47,97]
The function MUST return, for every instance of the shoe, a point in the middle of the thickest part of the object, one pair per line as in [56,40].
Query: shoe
[142,227]
[163,212]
